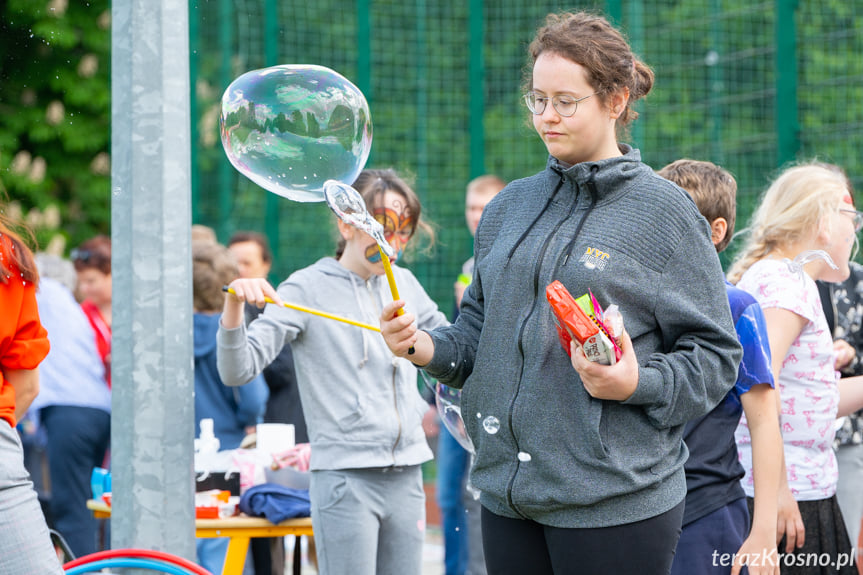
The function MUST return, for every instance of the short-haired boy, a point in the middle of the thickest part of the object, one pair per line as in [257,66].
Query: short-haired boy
[716,535]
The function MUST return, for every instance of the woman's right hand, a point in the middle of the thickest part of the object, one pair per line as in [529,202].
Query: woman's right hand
[401,335]
[399,331]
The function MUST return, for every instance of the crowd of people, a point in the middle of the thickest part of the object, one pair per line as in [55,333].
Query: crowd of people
[721,439]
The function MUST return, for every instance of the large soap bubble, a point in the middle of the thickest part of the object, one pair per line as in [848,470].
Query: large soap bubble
[290,128]
[448,401]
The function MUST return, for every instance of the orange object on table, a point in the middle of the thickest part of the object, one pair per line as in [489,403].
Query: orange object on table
[240,530]
[206,512]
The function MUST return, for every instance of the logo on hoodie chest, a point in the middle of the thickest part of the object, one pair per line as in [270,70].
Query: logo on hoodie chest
[593,258]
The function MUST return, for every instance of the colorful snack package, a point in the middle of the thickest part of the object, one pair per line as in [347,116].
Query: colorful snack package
[573,321]
[610,322]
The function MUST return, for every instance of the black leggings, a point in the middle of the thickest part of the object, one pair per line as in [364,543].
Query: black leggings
[517,547]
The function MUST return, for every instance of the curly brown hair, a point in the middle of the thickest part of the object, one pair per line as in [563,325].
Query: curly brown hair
[592,42]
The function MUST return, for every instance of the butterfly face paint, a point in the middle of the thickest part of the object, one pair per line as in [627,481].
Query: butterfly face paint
[398,228]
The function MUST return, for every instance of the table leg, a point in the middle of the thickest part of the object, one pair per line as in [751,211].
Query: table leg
[298,554]
[235,558]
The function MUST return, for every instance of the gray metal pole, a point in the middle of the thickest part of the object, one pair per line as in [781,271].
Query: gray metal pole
[152,374]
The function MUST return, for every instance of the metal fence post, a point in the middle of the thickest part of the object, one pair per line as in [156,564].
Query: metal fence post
[152,407]
[787,123]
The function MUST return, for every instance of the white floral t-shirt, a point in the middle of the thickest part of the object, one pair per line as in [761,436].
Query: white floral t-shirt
[807,383]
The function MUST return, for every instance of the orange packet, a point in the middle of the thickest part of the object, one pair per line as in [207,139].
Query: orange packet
[572,322]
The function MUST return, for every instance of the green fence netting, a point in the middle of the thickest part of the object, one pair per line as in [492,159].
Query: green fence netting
[748,85]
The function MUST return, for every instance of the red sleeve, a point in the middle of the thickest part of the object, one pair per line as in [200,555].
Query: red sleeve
[28,344]
[23,340]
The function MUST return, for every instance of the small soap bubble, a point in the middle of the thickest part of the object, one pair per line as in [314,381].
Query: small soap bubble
[491,424]
[301,116]
[524,456]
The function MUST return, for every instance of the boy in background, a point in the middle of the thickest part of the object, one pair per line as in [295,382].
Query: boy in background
[716,535]
[460,510]
[234,410]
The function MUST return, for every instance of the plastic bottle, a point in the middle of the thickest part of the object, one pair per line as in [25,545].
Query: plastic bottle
[206,449]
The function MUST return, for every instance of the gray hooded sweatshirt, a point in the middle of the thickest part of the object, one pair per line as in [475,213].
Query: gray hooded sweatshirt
[546,449]
[361,403]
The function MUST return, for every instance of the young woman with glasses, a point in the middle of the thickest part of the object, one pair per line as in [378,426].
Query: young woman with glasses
[574,458]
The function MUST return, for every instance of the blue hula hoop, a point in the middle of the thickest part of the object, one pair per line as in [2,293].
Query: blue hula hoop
[151,564]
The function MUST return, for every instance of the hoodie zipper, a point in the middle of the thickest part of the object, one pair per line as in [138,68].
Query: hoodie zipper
[537,266]
[396,407]
[393,381]
[590,184]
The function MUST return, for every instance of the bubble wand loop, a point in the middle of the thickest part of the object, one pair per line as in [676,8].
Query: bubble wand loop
[313,311]
[349,206]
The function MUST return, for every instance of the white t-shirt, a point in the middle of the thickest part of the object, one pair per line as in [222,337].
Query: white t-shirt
[807,383]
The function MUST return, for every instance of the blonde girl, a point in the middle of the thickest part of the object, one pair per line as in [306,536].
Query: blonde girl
[803,230]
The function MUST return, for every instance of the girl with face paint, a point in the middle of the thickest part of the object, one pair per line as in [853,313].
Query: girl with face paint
[396,207]
[362,407]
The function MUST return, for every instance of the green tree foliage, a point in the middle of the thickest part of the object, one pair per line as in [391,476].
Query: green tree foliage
[714,99]
[55,114]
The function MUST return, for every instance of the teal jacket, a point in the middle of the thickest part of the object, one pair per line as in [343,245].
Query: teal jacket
[561,457]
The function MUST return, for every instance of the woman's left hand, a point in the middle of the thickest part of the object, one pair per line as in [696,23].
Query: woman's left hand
[616,382]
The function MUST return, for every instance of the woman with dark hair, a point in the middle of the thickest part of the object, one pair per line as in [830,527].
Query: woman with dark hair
[92,261]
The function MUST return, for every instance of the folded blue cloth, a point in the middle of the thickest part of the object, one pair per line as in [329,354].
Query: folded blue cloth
[275,502]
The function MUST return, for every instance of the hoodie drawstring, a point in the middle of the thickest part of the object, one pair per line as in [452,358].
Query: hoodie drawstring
[362,331]
[591,187]
[536,219]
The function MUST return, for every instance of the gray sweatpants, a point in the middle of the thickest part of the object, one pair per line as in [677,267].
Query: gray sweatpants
[369,521]
[25,546]
[849,489]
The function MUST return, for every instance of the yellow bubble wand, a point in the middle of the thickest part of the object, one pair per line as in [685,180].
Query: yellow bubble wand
[314,311]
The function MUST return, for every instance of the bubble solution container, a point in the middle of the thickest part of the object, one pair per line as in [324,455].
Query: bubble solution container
[100,482]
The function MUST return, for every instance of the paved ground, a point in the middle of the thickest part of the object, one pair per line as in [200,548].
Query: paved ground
[432,555]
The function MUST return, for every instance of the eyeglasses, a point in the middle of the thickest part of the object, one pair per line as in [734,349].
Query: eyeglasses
[563,104]
[856,216]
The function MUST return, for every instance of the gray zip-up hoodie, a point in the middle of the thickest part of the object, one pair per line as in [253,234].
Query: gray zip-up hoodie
[559,456]
[361,403]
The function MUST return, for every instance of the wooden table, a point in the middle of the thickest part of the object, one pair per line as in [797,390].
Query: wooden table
[239,529]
